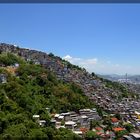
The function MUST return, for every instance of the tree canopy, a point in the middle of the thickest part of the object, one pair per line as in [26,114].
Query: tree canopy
[29,92]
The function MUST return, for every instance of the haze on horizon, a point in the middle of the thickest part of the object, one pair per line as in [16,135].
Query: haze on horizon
[103,38]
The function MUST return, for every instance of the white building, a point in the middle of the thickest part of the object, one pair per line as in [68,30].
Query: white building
[70,125]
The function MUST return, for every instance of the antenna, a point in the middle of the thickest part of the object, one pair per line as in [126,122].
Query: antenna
[126,78]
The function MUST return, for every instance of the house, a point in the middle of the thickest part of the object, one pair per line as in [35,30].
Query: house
[60,127]
[28,59]
[58,124]
[70,125]
[91,119]
[137,114]
[53,122]
[111,134]
[127,138]
[74,116]
[135,136]
[83,129]
[3,78]
[80,133]
[117,129]
[36,117]
[67,116]
[42,123]
[48,109]
[99,129]
[60,118]
[56,116]
[36,62]
[84,120]
[16,65]
[114,121]
[84,111]
[94,109]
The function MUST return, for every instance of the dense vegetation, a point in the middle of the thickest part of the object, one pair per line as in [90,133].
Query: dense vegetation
[29,91]
[9,59]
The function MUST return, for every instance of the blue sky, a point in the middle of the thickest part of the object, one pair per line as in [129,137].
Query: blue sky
[103,38]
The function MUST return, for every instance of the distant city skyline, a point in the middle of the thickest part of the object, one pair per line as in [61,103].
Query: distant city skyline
[103,38]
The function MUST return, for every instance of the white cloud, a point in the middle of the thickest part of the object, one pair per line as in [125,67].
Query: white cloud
[67,57]
[86,63]
[92,61]
[72,60]
[102,67]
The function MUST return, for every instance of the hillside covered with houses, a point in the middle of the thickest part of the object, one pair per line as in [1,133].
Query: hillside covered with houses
[44,96]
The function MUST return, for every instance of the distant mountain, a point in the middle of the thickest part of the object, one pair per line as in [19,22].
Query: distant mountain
[134,79]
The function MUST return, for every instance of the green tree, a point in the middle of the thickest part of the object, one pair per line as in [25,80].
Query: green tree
[91,135]
[16,131]
[129,127]
[93,124]
[120,134]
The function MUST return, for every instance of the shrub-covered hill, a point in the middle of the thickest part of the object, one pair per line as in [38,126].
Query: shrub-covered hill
[106,94]
[30,89]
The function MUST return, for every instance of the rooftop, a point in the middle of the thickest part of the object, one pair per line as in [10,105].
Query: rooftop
[136,135]
[70,123]
[114,120]
[116,129]
[35,116]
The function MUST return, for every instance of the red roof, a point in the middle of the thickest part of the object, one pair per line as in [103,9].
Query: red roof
[116,129]
[83,129]
[99,133]
[98,128]
[114,120]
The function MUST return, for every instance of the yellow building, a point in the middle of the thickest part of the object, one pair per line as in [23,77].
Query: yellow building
[137,114]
